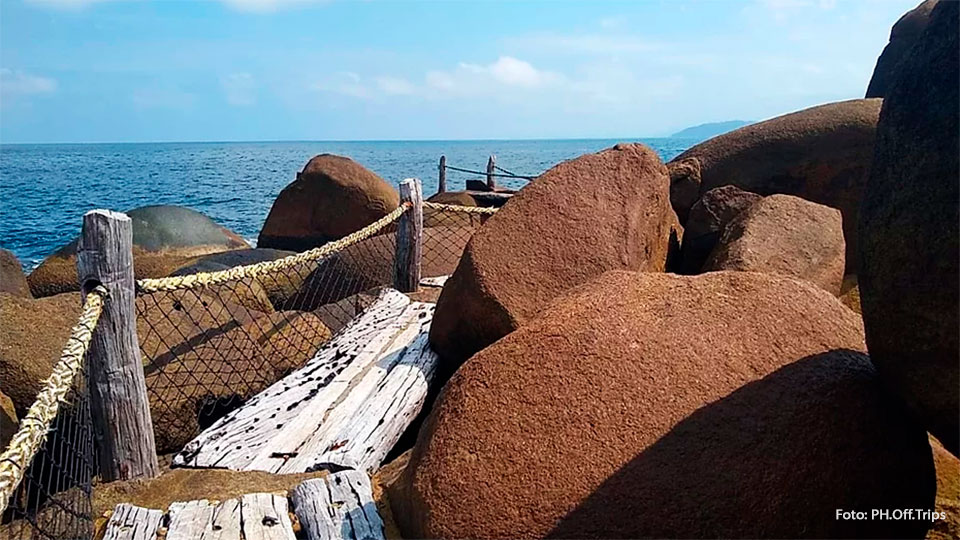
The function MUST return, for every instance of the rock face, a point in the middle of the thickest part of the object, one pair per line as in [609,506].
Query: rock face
[706,222]
[783,234]
[459,198]
[332,197]
[654,405]
[164,239]
[903,35]
[12,280]
[684,186]
[908,230]
[603,211]
[8,420]
[822,154]
[32,336]
[948,493]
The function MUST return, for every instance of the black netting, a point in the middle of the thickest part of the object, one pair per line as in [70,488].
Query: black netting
[53,500]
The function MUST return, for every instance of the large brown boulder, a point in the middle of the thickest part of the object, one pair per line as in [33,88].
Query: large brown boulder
[164,238]
[727,405]
[783,234]
[948,494]
[909,235]
[203,356]
[708,217]
[12,279]
[684,186]
[905,32]
[258,293]
[32,336]
[821,154]
[599,212]
[332,197]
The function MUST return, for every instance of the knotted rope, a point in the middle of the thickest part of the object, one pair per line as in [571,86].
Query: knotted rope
[35,425]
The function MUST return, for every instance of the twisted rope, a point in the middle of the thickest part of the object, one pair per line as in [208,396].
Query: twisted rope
[35,425]
[201,279]
[462,209]
[484,173]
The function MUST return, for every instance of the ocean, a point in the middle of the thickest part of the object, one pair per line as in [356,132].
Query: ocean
[45,189]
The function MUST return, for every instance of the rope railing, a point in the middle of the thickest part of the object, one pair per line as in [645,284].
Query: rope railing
[502,174]
[34,427]
[458,208]
[191,281]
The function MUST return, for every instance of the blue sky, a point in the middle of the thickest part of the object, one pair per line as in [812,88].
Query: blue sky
[221,70]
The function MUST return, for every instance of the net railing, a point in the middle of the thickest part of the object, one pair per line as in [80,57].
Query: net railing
[209,341]
[47,469]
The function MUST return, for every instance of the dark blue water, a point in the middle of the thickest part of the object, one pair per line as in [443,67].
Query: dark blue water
[46,189]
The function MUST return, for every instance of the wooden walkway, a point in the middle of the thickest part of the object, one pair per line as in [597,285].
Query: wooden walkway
[344,409]
[338,506]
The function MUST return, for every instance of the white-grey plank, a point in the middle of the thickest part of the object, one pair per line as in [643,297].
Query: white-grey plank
[130,522]
[338,506]
[266,517]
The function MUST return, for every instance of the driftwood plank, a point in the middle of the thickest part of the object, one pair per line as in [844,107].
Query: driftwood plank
[366,438]
[130,522]
[437,281]
[272,427]
[265,517]
[320,439]
[338,506]
[188,520]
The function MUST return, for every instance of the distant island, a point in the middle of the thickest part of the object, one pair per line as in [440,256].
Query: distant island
[711,129]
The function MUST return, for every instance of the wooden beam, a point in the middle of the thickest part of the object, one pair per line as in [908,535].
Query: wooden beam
[130,522]
[339,506]
[254,516]
[491,170]
[442,180]
[406,274]
[118,392]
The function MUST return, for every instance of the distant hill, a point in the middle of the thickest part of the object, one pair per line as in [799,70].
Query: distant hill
[712,129]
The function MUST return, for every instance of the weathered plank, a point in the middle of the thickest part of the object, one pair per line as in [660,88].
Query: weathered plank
[190,519]
[303,417]
[338,506]
[436,281]
[130,522]
[366,438]
[266,517]
[118,391]
[409,247]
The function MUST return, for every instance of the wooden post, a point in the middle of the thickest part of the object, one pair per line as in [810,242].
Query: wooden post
[491,169]
[442,184]
[406,265]
[118,392]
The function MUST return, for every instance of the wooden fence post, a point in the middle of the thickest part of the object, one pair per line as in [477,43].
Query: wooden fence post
[118,391]
[442,184]
[491,169]
[406,264]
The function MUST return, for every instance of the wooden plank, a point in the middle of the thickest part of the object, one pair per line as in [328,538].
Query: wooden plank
[225,522]
[189,520]
[265,517]
[366,438]
[409,246]
[338,506]
[118,391]
[333,432]
[130,522]
[436,282]
[271,428]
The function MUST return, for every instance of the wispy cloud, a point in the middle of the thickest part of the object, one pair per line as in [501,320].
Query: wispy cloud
[239,89]
[583,43]
[346,83]
[395,86]
[16,83]
[506,71]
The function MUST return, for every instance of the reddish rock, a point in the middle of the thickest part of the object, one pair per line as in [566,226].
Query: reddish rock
[459,198]
[787,235]
[684,186]
[948,494]
[332,197]
[706,222]
[909,234]
[12,279]
[821,154]
[727,405]
[164,239]
[903,35]
[603,211]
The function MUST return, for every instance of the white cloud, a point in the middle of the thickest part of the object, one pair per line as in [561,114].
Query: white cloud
[239,88]
[506,71]
[15,83]
[346,83]
[395,86]
[584,43]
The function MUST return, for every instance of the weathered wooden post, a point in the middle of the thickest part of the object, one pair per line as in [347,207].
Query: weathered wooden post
[442,181]
[406,264]
[118,392]
[491,169]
